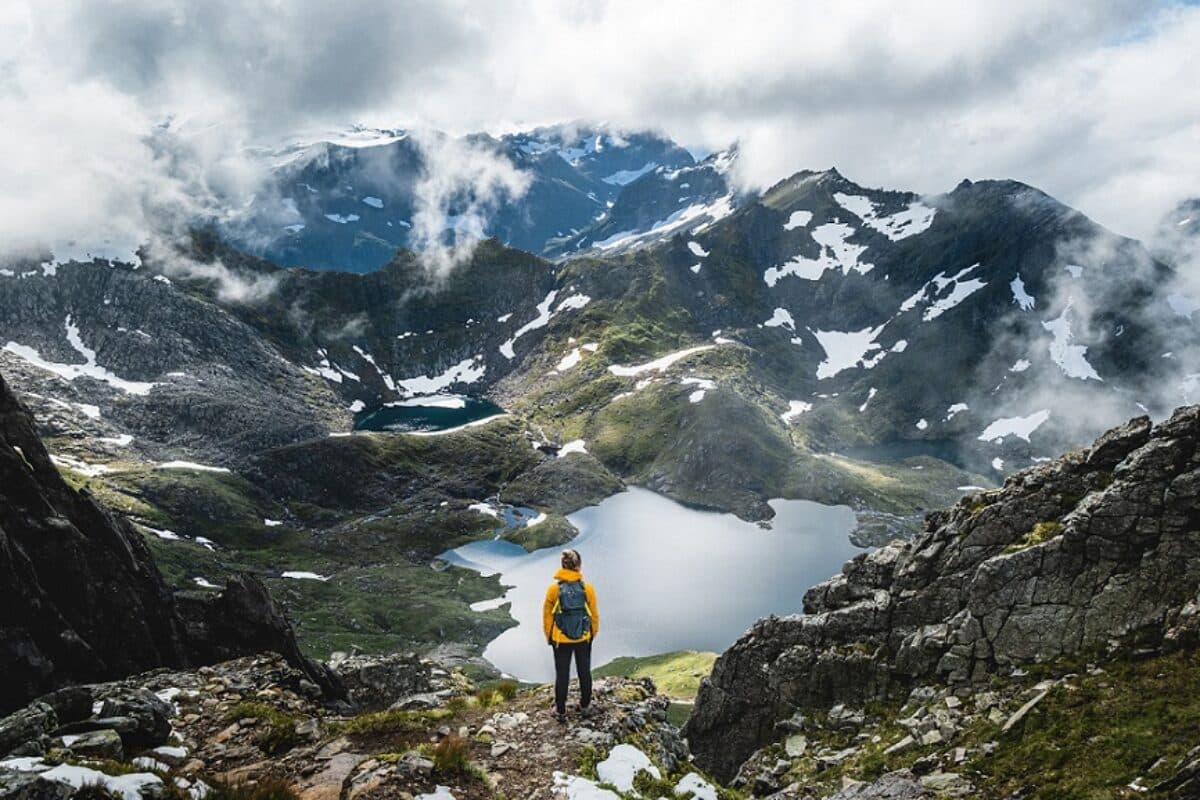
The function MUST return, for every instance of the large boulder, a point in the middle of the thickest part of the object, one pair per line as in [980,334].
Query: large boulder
[1100,545]
[377,682]
[242,619]
[28,727]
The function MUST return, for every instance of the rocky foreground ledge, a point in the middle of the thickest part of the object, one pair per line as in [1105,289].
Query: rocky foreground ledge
[1073,564]
[256,727]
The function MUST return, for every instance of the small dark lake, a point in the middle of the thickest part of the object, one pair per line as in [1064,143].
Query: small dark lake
[426,414]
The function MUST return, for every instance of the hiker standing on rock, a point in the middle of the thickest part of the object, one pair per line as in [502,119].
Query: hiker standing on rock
[571,622]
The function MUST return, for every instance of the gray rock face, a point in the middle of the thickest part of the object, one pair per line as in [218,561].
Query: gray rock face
[376,682]
[81,598]
[150,715]
[31,724]
[104,743]
[1102,544]
[900,785]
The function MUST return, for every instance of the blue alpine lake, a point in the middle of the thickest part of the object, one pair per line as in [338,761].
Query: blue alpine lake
[426,414]
[667,577]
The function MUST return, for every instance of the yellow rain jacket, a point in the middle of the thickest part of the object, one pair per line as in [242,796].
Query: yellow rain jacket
[553,634]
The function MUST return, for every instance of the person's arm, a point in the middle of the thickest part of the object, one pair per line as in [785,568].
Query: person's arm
[590,591]
[548,611]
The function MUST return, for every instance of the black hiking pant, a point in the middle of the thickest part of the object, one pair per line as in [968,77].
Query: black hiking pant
[582,651]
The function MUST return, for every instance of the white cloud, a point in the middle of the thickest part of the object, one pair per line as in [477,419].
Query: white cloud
[1092,102]
[460,187]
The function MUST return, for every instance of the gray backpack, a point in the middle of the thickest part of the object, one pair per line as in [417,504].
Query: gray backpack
[571,615]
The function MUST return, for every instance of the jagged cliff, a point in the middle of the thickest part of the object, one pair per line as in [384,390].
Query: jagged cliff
[81,598]
[1097,550]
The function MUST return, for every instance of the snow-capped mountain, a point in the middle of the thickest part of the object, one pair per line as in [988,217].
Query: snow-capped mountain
[659,204]
[348,201]
[811,341]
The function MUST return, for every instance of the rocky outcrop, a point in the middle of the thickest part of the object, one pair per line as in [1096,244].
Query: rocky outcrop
[251,721]
[1098,548]
[81,598]
[244,618]
[378,682]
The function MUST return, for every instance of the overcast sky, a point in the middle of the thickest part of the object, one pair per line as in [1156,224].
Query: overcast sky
[1096,103]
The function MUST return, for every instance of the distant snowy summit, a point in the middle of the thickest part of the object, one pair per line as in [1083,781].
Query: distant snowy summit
[347,200]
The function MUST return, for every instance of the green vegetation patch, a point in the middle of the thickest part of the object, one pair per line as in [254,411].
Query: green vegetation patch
[390,721]
[278,728]
[1093,737]
[1040,533]
[555,530]
[676,674]
[390,607]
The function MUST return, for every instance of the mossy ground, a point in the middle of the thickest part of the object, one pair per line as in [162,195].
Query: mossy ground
[1089,738]
[369,512]
[1040,533]
[676,675]
[1093,736]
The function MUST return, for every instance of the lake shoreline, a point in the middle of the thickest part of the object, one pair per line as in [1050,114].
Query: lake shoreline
[639,549]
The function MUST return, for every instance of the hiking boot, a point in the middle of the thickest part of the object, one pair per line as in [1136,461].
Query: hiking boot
[587,712]
[560,718]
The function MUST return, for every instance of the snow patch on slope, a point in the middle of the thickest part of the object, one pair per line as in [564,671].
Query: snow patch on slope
[544,315]
[849,349]
[798,219]
[913,220]
[1021,297]
[1021,427]
[89,369]
[1068,356]
[836,254]
[468,370]
[661,364]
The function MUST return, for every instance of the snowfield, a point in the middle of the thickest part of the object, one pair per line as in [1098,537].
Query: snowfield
[468,370]
[795,409]
[693,219]
[1068,356]
[189,465]
[627,176]
[836,254]
[849,349]
[575,446]
[544,315]
[702,385]
[781,318]
[1021,427]
[798,219]
[89,369]
[659,364]
[939,304]
[913,220]
[1021,297]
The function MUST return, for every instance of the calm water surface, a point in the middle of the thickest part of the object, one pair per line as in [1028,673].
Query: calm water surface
[667,577]
[416,418]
